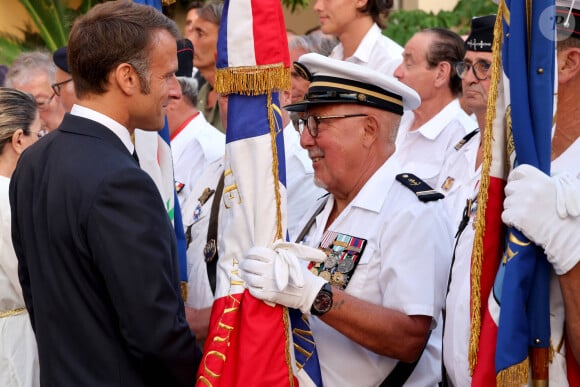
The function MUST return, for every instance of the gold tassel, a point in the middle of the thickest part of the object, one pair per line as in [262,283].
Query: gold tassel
[477,253]
[516,375]
[252,80]
[273,133]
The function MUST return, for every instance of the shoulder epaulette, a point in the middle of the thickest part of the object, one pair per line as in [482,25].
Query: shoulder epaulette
[466,139]
[423,190]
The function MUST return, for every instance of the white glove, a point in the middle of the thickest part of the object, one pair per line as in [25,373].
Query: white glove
[567,195]
[276,275]
[545,209]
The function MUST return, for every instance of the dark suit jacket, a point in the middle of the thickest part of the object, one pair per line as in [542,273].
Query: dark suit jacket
[98,264]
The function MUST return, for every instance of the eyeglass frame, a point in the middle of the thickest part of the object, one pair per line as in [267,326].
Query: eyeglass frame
[472,66]
[44,106]
[56,87]
[300,123]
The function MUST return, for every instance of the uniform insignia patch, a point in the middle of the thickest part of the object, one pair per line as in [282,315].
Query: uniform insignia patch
[205,195]
[423,190]
[343,254]
[448,183]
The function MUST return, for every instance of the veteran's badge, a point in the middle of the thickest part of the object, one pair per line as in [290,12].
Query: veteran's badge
[344,252]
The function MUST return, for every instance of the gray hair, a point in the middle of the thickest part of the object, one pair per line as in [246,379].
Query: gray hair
[28,65]
[188,89]
[321,43]
[17,111]
[299,41]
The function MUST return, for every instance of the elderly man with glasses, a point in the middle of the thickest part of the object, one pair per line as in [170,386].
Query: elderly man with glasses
[463,172]
[34,72]
[64,86]
[378,292]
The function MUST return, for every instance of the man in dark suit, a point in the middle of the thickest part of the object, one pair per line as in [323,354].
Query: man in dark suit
[96,250]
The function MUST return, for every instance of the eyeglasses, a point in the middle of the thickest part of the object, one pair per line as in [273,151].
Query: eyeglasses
[57,86]
[480,69]
[311,122]
[43,104]
[40,133]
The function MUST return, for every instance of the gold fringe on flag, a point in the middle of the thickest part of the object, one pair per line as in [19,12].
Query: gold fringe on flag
[252,80]
[516,375]
[477,253]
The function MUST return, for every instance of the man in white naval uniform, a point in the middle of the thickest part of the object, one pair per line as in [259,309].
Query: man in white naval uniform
[460,183]
[547,210]
[428,134]
[195,143]
[378,294]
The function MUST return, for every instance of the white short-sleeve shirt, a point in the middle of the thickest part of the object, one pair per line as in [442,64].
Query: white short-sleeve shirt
[394,271]
[375,51]
[423,151]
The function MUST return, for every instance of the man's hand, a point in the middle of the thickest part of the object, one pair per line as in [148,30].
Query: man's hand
[276,275]
[546,210]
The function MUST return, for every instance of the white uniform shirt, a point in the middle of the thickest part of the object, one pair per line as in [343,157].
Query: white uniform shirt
[196,215]
[375,51]
[423,151]
[18,353]
[457,323]
[301,190]
[394,271]
[457,177]
[196,146]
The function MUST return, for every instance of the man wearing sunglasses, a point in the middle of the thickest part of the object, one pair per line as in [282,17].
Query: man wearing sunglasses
[64,86]
[378,292]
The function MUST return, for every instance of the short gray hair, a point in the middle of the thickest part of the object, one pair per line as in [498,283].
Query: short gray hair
[188,89]
[27,65]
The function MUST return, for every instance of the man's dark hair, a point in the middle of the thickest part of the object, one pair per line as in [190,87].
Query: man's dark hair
[378,10]
[112,33]
[448,47]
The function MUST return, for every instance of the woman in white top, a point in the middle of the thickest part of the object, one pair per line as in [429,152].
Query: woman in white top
[20,127]
[358,25]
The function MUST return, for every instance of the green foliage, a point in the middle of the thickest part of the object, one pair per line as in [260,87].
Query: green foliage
[51,18]
[293,4]
[402,25]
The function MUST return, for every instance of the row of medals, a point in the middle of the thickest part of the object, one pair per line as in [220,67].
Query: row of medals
[334,270]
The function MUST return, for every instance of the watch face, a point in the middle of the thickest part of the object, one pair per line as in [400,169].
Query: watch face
[322,302]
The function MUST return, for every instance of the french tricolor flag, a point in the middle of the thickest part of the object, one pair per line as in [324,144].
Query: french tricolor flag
[250,343]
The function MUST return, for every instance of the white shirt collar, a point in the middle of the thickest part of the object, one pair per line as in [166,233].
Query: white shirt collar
[373,194]
[112,125]
[432,128]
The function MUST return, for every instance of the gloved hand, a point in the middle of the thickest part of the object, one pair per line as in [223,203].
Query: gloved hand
[276,274]
[545,209]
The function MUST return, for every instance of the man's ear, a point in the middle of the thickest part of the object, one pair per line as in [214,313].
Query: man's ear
[371,130]
[443,74]
[568,64]
[127,79]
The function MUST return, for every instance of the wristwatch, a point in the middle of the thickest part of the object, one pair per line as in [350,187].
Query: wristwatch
[323,301]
